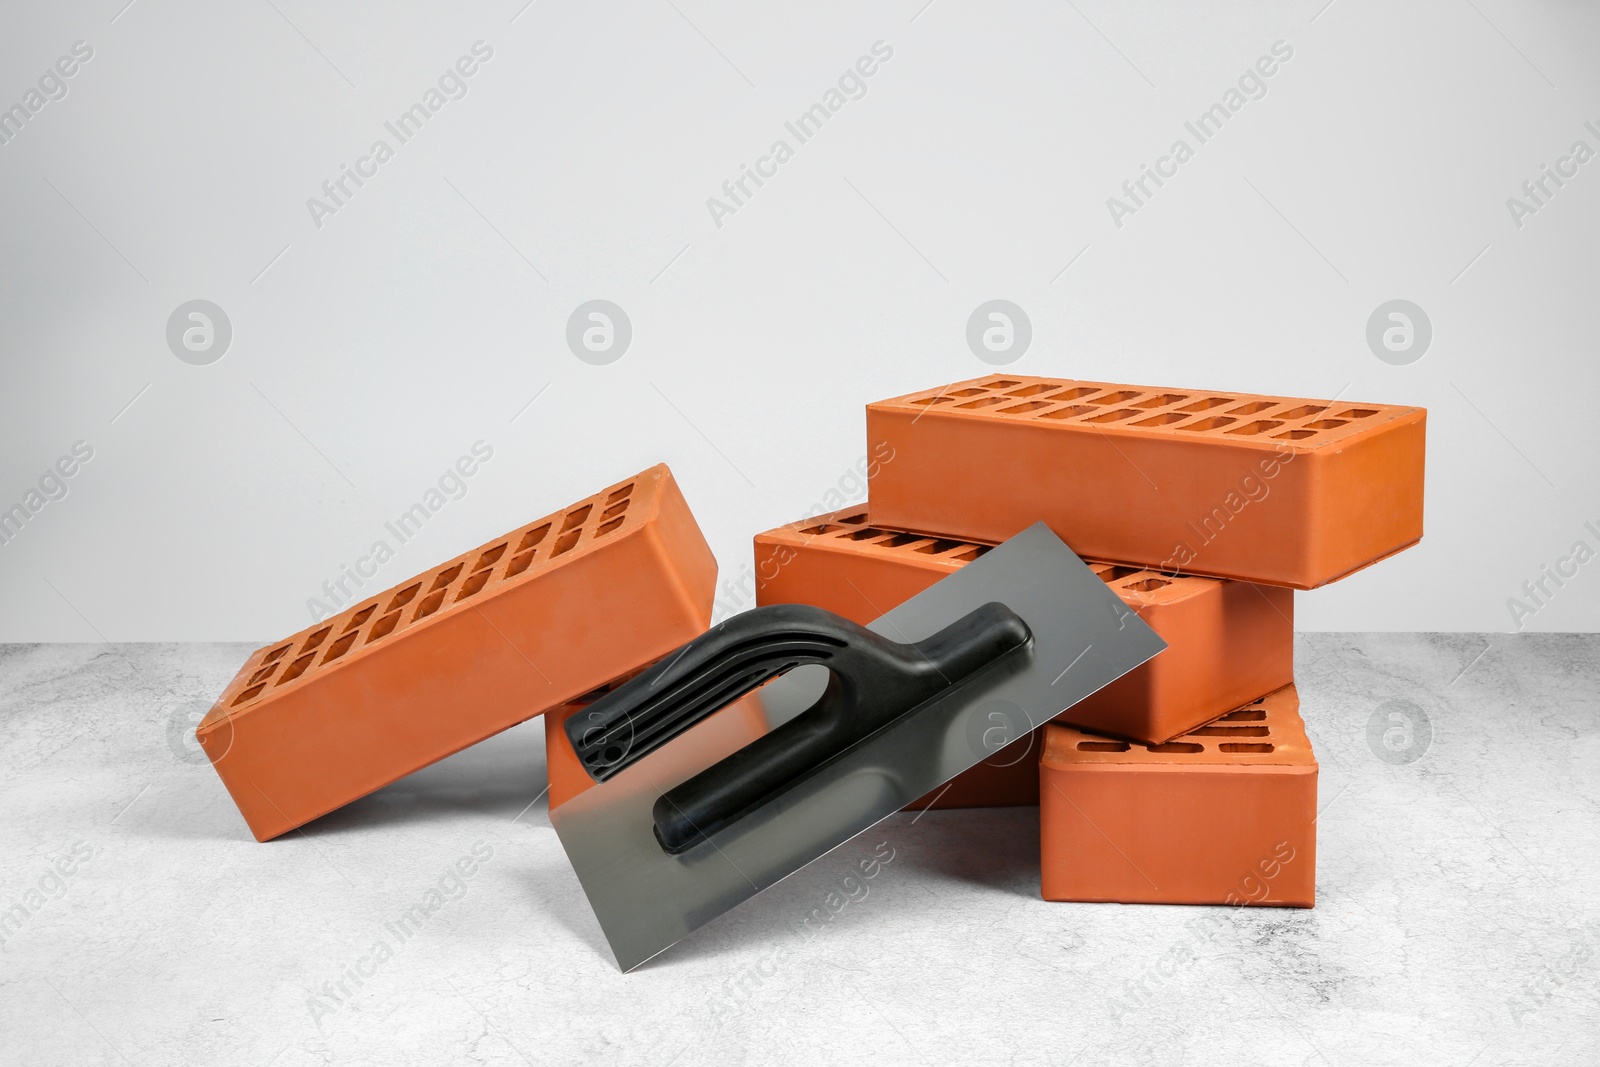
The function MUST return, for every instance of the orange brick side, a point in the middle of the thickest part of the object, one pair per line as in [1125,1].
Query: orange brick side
[1223,815]
[461,652]
[1274,490]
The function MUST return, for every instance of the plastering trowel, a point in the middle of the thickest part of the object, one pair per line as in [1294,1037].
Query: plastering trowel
[683,824]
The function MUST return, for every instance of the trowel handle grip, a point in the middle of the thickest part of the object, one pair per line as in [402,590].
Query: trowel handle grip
[873,683]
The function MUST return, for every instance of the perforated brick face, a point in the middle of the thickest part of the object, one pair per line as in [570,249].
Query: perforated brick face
[391,616]
[1307,424]
[1269,489]
[1225,814]
[496,635]
[1264,732]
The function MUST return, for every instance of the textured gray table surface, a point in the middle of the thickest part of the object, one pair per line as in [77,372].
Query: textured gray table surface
[1456,921]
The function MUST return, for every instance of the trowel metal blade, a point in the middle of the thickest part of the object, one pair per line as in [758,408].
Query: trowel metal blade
[646,900]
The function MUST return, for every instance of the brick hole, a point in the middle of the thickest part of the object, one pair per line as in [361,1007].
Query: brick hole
[1112,574]
[853,520]
[1162,419]
[249,694]
[360,617]
[532,538]
[1357,413]
[941,545]
[1244,746]
[967,392]
[933,400]
[519,564]
[1149,585]
[901,540]
[866,533]
[1022,409]
[1245,715]
[1207,404]
[575,518]
[1252,408]
[1071,411]
[278,653]
[1035,389]
[614,510]
[1260,426]
[429,605]
[490,558]
[1325,424]
[474,584]
[263,674]
[445,577]
[609,527]
[817,531]
[1294,435]
[1004,383]
[1229,731]
[970,554]
[1121,397]
[1303,412]
[981,402]
[1161,400]
[296,669]
[1077,393]
[340,647]
[1114,416]
[566,542]
[404,597]
[1215,422]
[316,639]
[384,626]
[620,494]
[1177,746]
[1103,746]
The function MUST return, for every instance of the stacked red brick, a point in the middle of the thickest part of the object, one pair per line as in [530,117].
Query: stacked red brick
[1191,779]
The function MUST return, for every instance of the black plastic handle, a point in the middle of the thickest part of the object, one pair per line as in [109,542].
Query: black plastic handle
[874,682]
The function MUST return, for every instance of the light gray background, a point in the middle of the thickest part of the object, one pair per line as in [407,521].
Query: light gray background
[425,315]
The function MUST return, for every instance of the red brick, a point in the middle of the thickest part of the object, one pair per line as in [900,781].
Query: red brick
[449,657]
[1265,489]
[1223,815]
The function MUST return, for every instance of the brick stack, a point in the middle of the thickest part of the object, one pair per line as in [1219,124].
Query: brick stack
[1191,779]
[1188,780]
